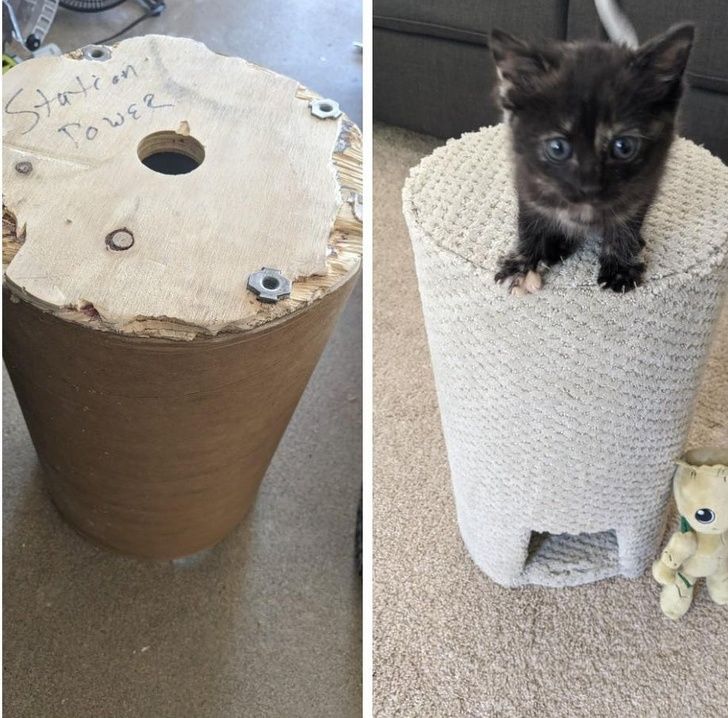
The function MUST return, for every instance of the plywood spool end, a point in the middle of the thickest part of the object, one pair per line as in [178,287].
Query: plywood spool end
[259,181]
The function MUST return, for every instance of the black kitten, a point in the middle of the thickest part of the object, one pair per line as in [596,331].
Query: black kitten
[591,123]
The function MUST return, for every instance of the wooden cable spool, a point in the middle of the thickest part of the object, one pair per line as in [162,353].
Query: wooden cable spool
[144,184]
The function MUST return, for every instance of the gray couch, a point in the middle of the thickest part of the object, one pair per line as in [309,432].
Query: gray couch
[433,72]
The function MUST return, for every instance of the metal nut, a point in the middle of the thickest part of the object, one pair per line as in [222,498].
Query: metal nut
[269,285]
[98,53]
[325,108]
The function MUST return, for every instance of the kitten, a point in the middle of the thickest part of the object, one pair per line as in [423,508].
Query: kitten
[591,124]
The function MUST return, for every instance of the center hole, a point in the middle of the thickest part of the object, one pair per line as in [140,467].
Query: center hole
[170,153]
[271,283]
[326,107]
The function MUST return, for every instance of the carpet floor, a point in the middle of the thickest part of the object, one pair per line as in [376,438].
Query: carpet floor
[447,640]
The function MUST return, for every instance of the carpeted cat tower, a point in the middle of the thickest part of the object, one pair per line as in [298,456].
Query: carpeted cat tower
[564,410]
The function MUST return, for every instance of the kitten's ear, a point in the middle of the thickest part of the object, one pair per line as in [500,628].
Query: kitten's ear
[518,61]
[667,55]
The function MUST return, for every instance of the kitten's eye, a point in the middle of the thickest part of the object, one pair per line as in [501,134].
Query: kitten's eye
[558,149]
[624,148]
[705,516]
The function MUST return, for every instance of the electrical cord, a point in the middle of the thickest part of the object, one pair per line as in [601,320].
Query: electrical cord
[152,12]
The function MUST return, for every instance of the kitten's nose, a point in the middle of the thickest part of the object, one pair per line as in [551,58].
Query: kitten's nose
[590,183]
[590,190]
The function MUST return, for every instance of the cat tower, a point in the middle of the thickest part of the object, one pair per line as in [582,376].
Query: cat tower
[181,231]
[563,411]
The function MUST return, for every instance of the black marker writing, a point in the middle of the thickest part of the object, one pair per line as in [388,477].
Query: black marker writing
[129,69]
[46,104]
[64,98]
[114,123]
[33,113]
[149,102]
[134,111]
[64,129]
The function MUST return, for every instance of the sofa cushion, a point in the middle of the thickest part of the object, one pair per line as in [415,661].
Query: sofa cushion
[472,20]
[708,66]
[433,85]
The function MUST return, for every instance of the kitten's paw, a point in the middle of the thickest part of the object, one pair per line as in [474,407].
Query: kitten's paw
[522,279]
[621,278]
[510,267]
[523,284]
[531,283]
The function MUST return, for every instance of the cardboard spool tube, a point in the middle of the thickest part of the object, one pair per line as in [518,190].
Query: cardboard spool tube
[154,383]
[155,447]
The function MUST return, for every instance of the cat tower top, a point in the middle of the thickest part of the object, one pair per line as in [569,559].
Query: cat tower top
[144,183]
[463,198]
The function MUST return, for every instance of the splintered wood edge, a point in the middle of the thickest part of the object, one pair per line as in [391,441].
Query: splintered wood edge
[344,250]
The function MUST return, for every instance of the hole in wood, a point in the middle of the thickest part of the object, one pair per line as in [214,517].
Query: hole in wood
[96,52]
[119,240]
[271,283]
[170,153]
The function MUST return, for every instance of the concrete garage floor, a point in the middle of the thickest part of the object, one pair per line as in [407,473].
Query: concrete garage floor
[269,622]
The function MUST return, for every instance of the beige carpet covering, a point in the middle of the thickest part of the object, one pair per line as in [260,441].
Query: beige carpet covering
[449,642]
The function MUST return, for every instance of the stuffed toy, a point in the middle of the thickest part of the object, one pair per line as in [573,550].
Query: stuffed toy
[700,548]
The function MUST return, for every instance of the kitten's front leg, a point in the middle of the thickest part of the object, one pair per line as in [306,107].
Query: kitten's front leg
[620,267]
[538,247]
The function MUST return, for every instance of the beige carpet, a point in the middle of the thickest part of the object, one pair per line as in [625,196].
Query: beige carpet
[449,642]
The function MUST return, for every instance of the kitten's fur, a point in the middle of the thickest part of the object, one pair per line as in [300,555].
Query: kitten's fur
[588,94]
